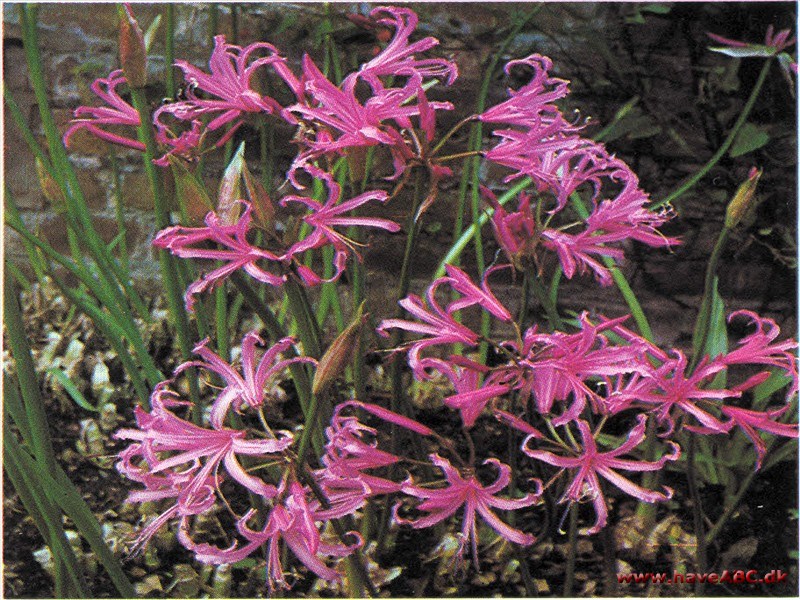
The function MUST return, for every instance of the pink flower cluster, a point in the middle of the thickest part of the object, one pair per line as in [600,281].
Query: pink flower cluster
[545,147]
[581,381]
[566,395]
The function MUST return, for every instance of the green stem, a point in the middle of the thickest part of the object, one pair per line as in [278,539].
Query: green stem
[569,576]
[123,324]
[703,326]
[169,50]
[730,507]
[166,261]
[546,301]
[697,513]
[120,214]
[33,401]
[726,144]
[45,516]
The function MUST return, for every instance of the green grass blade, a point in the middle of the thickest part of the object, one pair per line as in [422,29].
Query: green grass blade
[71,389]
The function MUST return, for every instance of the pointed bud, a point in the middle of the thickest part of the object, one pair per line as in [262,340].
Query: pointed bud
[132,53]
[230,189]
[743,201]
[51,189]
[357,163]
[190,193]
[339,353]
[257,196]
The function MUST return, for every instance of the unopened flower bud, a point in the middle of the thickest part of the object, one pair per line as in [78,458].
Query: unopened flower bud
[263,209]
[190,193]
[336,357]
[743,201]
[52,191]
[132,53]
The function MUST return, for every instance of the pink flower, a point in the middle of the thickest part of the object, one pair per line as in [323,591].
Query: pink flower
[117,112]
[229,85]
[759,348]
[591,463]
[773,43]
[238,252]
[471,395]
[338,121]
[350,451]
[465,490]
[178,459]
[530,106]
[750,420]
[398,57]
[324,217]
[439,325]
[472,294]
[556,366]
[253,383]
[675,389]
[516,232]
[292,521]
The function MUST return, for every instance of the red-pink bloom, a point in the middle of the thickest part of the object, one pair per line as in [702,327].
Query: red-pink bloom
[556,366]
[324,217]
[760,348]
[253,383]
[293,521]
[338,121]
[516,232]
[472,294]
[436,323]
[472,395]
[228,84]
[675,389]
[530,106]
[117,112]
[465,490]
[238,252]
[398,57]
[591,463]
[750,420]
[175,458]
[773,42]
[351,449]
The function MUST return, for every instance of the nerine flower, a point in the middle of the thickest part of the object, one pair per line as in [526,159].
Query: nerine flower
[398,57]
[229,86]
[472,395]
[760,348]
[291,520]
[464,490]
[531,105]
[592,463]
[472,294]
[350,451]
[750,420]
[94,119]
[676,389]
[177,459]
[548,149]
[438,324]
[324,217]
[337,121]
[252,384]
[773,43]
[238,252]
[554,367]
